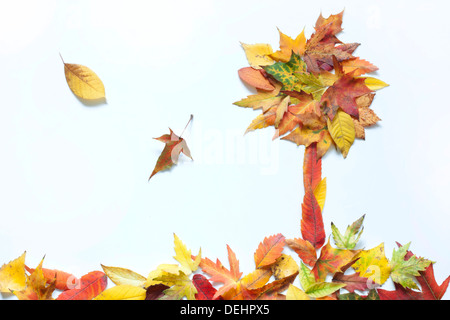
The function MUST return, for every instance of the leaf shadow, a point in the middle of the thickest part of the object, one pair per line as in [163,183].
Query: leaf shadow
[91,102]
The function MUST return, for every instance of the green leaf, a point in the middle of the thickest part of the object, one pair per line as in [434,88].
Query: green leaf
[403,271]
[351,236]
[316,289]
[285,72]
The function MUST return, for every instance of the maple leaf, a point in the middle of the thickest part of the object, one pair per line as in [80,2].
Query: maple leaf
[37,287]
[342,94]
[288,45]
[219,273]
[304,249]
[255,78]
[258,54]
[373,264]
[400,293]
[331,260]
[332,26]
[403,270]
[349,239]
[269,250]
[430,288]
[91,285]
[12,275]
[174,145]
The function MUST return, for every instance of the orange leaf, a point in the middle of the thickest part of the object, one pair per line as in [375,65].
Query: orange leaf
[269,250]
[311,225]
[255,78]
[63,279]
[360,66]
[91,285]
[304,249]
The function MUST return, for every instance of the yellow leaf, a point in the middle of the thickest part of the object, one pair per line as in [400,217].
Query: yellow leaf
[281,109]
[375,84]
[288,45]
[373,264]
[159,271]
[258,54]
[342,130]
[83,82]
[122,276]
[122,292]
[285,266]
[184,257]
[12,275]
[320,193]
[294,293]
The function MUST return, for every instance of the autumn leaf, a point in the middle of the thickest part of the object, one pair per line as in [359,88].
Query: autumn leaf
[374,84]
[184,257]
[400,293]
[285,72]
[253,280]
[12,275]
[311,224]
[342,131]
[320,192]
[37,287]
[294,293]
[262,100]
[205,290]
[156,291]
[284,266]
[272,290]
[91,285]
[352,281]
[123,276]
[219,273]
[358,66]
[63,280]
[305,136]
[312,168]
[430,288]
[372,295]
[403,271]
[351,236]
[182,286]
[174,145]
[289,45]
[258,54]
[373,264]
[331,260]
[255,79]
[123,292]
[313,288]
[83,82]
[304,249]
[269,250]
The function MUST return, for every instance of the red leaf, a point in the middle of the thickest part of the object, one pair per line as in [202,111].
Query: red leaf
[312,168]
[269,250]
[255,78]
[304,249]
[91,285]
[430,288]
[154,292]
[399,293]
[205,289]
[352,281]
[312,228]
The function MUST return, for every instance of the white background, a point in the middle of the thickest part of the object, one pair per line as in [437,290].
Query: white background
[73,178]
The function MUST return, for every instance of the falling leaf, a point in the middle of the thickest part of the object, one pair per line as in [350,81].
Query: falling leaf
[123,276]
[255,79]
[123,292]
[91,285]
[12,275]
[174,145]
[258,54]
[83,82]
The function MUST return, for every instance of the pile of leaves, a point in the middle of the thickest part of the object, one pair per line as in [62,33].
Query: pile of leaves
[313,92]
